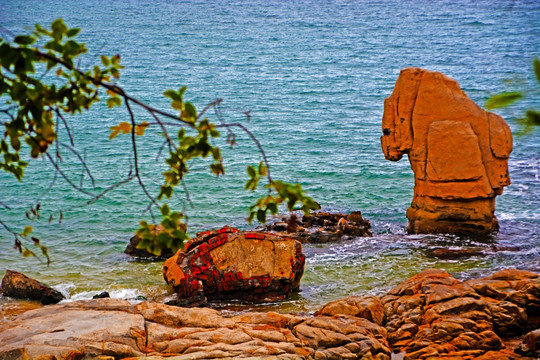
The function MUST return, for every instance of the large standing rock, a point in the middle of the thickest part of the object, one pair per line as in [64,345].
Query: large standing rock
[20,286]
[458,153]
[229,264]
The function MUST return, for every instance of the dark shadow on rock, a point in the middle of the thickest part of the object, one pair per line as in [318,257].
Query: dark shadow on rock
[20,286]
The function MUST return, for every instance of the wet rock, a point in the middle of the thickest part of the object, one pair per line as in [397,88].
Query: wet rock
[458,153]
[456,253]
[101,295]
[321,227]
[20,286]
[229,264]
[131,248]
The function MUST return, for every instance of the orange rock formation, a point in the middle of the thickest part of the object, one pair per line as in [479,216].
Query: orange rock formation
[458,153]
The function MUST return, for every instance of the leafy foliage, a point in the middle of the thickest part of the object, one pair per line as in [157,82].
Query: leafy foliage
[35,108]
[532,116]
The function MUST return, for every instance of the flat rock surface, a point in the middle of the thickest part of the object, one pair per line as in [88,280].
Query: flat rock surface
[429,316]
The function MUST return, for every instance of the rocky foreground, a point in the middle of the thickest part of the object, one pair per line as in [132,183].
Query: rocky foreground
[429,316]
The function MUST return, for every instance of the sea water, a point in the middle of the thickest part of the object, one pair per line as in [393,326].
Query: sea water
[314,75]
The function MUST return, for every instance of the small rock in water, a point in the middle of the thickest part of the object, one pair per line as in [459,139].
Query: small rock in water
[456,253]
[321,227]
[20,286]
[102,295]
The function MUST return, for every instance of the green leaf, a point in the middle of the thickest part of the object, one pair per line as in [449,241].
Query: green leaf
[261,216]
[27,253]
[263,171]
[533,117]
[182,90]
[536,65]
[165,210]
[27,230]
[58,29]
[114,101]
[173,95]
[73,32]
[249,184]
[502,100]
[105,60]
[190,112]
[24,39]
[272,207]
[178,105]
[251,171]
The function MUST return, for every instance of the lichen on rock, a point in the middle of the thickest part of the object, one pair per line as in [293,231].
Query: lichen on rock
[230,264]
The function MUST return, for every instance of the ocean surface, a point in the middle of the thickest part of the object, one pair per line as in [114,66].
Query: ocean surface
[314,75]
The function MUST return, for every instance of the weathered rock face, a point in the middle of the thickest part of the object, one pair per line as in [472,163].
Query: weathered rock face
[321,227]
[111,327]
[20,286]
[229,264]
[458,153]
[433,314]
[429,316]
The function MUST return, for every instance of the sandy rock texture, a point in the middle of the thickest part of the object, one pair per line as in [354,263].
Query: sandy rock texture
[458,153]
[429,316]
[111,327]
[230,264]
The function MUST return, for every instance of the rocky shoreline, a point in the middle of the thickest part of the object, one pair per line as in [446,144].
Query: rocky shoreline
[429,316]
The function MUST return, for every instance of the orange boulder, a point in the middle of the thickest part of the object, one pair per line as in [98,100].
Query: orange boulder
[230,264]
[458,153]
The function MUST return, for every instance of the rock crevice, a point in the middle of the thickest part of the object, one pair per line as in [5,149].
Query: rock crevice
[429,316]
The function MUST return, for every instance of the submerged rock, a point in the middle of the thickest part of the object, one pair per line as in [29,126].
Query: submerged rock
[321,227]
[229,264]
[458,153]
[20,286]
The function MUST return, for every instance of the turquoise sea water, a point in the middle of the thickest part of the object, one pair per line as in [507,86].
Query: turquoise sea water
[314,75]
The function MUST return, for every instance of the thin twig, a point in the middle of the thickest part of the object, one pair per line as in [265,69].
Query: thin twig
[78,188]
[254,139]
[213,103]
[81,160]
[66,126]
[135,157]
[100,195]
